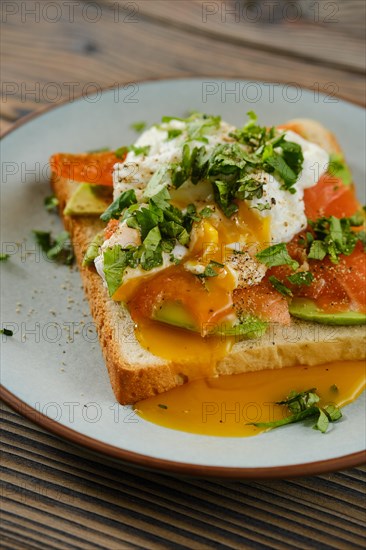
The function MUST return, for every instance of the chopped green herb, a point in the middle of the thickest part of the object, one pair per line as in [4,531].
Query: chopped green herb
[334,236]
[57,249]
[302,406]
[276,254]
[114,210]
[122,151]
[4,257]
[301,278]
[162,406]
[6,332]
[280,287]
[334,388]
[115,262]
[173,133]
[206,212]
[210,270]
[318,251]
[51,203]
[138,126]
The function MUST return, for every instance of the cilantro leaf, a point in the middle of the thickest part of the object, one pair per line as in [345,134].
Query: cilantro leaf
[223,196]
[206,212]
[158,181]
[301,278]
[173,133]
[138,150]
[51,203]
[275,162]
[293,418]
[280,287]
[4,257]
[276,254]
[333,236]
[114,210]
[318,251]
[138,126]
[61,249]
[6,332]
[152,239]
[323,422]
[302,406]
[115,263]
[43,238]
[58,249]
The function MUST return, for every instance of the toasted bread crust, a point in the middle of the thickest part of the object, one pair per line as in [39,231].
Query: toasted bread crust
[136,374]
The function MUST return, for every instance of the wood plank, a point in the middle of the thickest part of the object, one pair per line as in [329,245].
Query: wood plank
[321,32]
[62,493]
[81,54]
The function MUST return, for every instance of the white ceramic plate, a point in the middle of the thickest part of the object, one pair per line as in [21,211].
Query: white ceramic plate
[52,368]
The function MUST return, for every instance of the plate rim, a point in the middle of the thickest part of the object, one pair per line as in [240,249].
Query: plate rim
[174,467]
[159,464]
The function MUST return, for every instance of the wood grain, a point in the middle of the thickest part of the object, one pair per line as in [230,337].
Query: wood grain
[329,33]
[66,57]
[57,496]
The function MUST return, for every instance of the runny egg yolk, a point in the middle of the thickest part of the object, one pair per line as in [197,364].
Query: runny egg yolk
[207,300]
[225,406]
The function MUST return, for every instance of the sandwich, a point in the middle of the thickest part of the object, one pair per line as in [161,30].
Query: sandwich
[207,249]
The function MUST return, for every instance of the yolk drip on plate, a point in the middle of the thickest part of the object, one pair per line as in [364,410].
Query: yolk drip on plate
[224,406]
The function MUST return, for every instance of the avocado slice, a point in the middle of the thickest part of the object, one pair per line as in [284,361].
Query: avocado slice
[174,313]
[305,309]
[93,249]
[89,200]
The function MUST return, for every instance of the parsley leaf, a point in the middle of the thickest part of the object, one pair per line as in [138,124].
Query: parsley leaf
[138,150]
[157,182]
[210,270]
[51,203]
[138,126]
[6,332]
[115,263]
[280,287]
[114,210]
[302,406]
[318,251]
[61,249]
[301,278]
[4,257]
[173,133]
[276,255]
[334,236]
[58,249]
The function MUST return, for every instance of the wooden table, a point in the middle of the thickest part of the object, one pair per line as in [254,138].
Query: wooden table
[56,496]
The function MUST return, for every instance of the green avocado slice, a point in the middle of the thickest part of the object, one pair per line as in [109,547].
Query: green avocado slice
[88,200]
[93,249]
[305,309]
[174,313]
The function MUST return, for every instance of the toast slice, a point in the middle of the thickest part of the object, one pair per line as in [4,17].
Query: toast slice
[136,374]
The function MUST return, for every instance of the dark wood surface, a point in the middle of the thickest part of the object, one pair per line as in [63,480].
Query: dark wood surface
[56,496]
